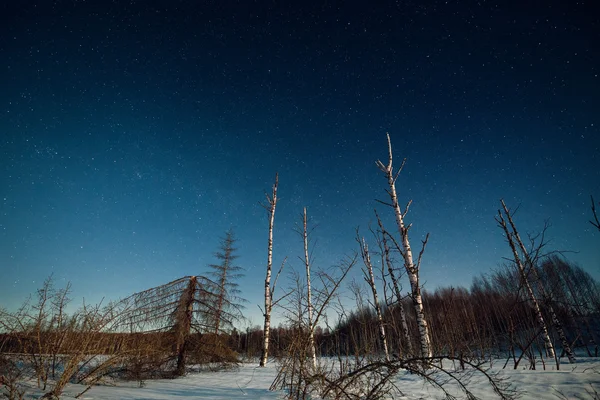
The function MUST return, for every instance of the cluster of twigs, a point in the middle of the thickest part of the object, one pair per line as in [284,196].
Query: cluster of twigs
[149,334]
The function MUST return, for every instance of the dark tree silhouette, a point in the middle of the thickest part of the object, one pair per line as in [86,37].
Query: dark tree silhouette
[227,295]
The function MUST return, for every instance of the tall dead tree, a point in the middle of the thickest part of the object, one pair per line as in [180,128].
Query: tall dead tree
[270,207]
[224,275]
[183,324]
[370,279]
[412,268]
[311,328]
[515,243]
[386,258]
[182,310]
[530,264]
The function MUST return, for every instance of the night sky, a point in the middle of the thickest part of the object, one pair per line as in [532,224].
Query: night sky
[133,134]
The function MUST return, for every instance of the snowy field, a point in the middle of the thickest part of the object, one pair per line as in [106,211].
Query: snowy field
[250,382]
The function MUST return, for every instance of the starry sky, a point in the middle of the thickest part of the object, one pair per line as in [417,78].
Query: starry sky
[133,134]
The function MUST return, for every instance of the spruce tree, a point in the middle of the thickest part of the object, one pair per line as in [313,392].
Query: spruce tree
[224,274]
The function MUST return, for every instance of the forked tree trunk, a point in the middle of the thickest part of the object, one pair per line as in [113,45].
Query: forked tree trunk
[412,268]
[311,328]
[555,320]
[525,282]
[271,204]
[548,301]
[370,278]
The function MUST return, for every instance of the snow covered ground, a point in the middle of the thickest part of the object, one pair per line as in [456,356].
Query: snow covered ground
[251,382]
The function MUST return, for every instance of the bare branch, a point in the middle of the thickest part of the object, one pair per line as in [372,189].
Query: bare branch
[418,266]
[384,203]
[597,222]
[399,170]
[406,209]
[277,276]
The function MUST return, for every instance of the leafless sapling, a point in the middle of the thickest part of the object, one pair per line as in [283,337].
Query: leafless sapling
[520,262]
[387,260]
[309,304]
[269,290]
[369,277]
[412,267]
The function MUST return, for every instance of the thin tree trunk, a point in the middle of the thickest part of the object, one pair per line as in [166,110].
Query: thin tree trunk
[555,321]
[272,203]
[220,299]
[396,286]
[311,330]
[185,326]
[370,278]
[525,281]
[412,268]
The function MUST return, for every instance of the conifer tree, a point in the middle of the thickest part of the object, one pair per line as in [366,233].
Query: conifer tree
[225,275]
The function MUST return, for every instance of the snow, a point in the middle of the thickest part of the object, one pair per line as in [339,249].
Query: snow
[251,382]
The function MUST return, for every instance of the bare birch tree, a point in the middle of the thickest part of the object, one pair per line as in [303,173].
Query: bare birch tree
[412,267]
[297,374]
[531,259]
[386,258]
[270,207]
[370,279]
[311,328]
[512,236]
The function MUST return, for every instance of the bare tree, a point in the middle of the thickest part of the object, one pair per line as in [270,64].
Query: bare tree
[515,244]
[270,207]
[370,279]
[55,348]
[531,260]
[183,324]
[309,304]
[91,323]
[179,311]
[557,277]
[386,258]
[412,267]
[296,373]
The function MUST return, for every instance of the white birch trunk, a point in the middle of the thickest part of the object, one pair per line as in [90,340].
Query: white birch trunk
[311,338]
[371,281]
[272,203]
[525,281]
[555,321]
[412,269]
[396,286]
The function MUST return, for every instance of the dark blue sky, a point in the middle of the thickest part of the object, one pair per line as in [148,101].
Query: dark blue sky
[134,134]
